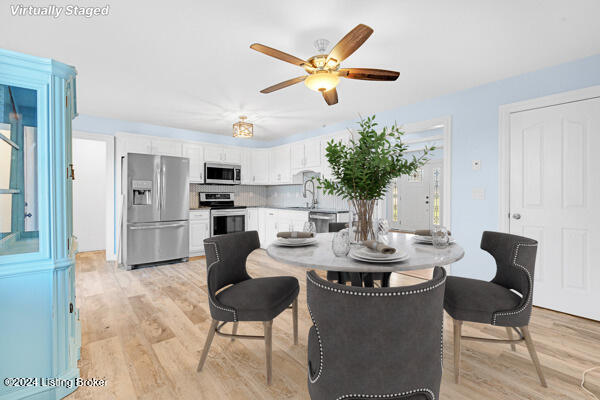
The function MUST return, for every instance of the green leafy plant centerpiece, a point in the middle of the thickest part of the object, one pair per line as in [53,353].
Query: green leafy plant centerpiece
[363,169]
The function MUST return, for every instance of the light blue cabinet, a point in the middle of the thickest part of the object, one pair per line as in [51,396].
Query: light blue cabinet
[39,326]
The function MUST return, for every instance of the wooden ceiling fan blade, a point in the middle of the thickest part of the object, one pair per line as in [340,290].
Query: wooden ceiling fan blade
[277,54]
[369,74]
[284,84]
[349,43]
[330,96]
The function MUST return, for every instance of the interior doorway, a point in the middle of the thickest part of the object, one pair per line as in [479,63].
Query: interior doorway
[423,199]
[93,192]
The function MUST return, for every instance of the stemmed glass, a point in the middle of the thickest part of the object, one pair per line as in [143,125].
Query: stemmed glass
[309,226]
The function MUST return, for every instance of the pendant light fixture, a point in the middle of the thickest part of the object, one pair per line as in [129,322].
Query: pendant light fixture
[242,128]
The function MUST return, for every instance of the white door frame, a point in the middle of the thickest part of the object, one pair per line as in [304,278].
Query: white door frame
[110,187]
[504,140]
[446,124]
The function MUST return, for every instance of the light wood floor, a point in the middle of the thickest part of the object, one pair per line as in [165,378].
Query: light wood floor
[143,331]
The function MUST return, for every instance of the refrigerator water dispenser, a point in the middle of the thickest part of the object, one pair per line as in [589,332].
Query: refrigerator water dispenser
[142,193]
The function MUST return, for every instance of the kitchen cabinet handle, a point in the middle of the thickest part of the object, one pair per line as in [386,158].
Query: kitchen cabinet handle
[157,226]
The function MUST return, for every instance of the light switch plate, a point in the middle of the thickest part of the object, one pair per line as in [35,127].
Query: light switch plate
[478,194]
[476,165]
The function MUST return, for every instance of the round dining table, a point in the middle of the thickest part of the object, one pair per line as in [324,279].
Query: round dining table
[320,255]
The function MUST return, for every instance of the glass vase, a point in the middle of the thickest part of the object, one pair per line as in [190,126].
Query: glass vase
[361,220]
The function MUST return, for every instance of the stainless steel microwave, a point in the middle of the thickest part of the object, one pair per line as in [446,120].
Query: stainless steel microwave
[222,174]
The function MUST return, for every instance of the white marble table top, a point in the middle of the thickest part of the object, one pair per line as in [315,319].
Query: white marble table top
[320,255]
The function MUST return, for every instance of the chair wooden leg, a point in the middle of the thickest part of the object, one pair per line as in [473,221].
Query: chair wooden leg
[295,319]
[209,338]
[533,354]
[269,348]
[234,330]
[510,337]
[457,335]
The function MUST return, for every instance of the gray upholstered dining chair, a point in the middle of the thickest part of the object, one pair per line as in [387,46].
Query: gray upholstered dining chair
[234,296]
[496,302]
[375,342]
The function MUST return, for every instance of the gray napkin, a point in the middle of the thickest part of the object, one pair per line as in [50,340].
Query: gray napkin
[426,232]
[378,246]
[295,235]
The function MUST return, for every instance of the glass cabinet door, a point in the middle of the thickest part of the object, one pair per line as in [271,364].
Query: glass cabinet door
[19,232]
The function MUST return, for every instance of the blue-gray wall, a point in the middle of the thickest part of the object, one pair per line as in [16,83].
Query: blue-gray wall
[474,115]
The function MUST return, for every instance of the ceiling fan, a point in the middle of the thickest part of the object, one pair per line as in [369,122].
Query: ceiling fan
[324,70]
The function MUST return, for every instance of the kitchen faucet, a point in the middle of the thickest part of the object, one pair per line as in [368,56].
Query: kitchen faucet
[313,201]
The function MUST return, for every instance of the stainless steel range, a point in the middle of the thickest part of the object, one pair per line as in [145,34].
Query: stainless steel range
[225,216]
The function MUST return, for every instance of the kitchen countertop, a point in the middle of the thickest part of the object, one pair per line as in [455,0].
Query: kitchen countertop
[325,210]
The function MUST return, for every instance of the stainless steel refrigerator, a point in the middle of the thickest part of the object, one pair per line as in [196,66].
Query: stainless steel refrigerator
[155,210]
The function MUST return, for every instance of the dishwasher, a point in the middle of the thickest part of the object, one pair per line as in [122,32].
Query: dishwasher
[323,218]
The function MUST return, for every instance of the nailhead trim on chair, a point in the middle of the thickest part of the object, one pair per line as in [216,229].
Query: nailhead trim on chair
[320,349]
[209,295]
[342,291]
[353,293]
[387,396]
[530,294]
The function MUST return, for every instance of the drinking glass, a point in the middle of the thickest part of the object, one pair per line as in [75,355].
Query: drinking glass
[439,237]
[309,226]
[382,229]
[341,243]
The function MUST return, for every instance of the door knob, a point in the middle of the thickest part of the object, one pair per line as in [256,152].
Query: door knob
[516,216]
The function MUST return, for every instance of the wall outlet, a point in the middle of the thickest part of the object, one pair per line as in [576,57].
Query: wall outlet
[478,194]
[476,165]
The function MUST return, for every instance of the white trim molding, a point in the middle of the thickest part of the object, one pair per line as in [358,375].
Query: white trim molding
[505,112]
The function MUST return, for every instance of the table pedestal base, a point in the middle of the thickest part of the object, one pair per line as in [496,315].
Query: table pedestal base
[360,279]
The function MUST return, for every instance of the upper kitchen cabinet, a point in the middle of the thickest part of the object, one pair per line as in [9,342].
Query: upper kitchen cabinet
[40,327]
[195,153]
[255,167]
[306,155]
[166,147]
[343,137]
[137,144]
[229,155]
[280,165]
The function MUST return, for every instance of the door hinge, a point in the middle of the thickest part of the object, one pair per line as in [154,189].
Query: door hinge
[71,172]
[71,308]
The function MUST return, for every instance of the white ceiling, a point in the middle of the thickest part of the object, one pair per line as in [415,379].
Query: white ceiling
[188,64]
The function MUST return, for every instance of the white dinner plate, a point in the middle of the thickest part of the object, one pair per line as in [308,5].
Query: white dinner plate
[403,257]
[295,242]
[366,252]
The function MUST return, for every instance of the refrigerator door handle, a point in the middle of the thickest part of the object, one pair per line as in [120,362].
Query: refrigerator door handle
[157,226]
[162,186]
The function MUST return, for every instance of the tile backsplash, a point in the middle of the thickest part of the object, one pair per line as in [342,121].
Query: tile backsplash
[275,196]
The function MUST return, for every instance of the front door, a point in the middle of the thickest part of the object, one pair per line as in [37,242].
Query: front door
[554,191]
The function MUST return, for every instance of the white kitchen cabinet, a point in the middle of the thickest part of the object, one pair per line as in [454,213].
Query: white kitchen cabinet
[196,155]
[199,230]
[137,144]
[312,153]
[306,154]
[280,166]
[255,167]
[271,226]
[252,219]
[166,147]
[232,155]
[273,220]
[213,153]
[262,218]
[229,155]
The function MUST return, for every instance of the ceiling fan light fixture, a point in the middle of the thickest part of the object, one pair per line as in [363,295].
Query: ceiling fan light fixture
[243,129]
[321,81]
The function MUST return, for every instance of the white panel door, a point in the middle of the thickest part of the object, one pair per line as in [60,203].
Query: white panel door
[232,155]
[297,160]
[554,190]
[138,144]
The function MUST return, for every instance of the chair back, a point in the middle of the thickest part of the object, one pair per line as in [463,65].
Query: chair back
[226,265]
[337,226]
[515,267]
[375,342]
